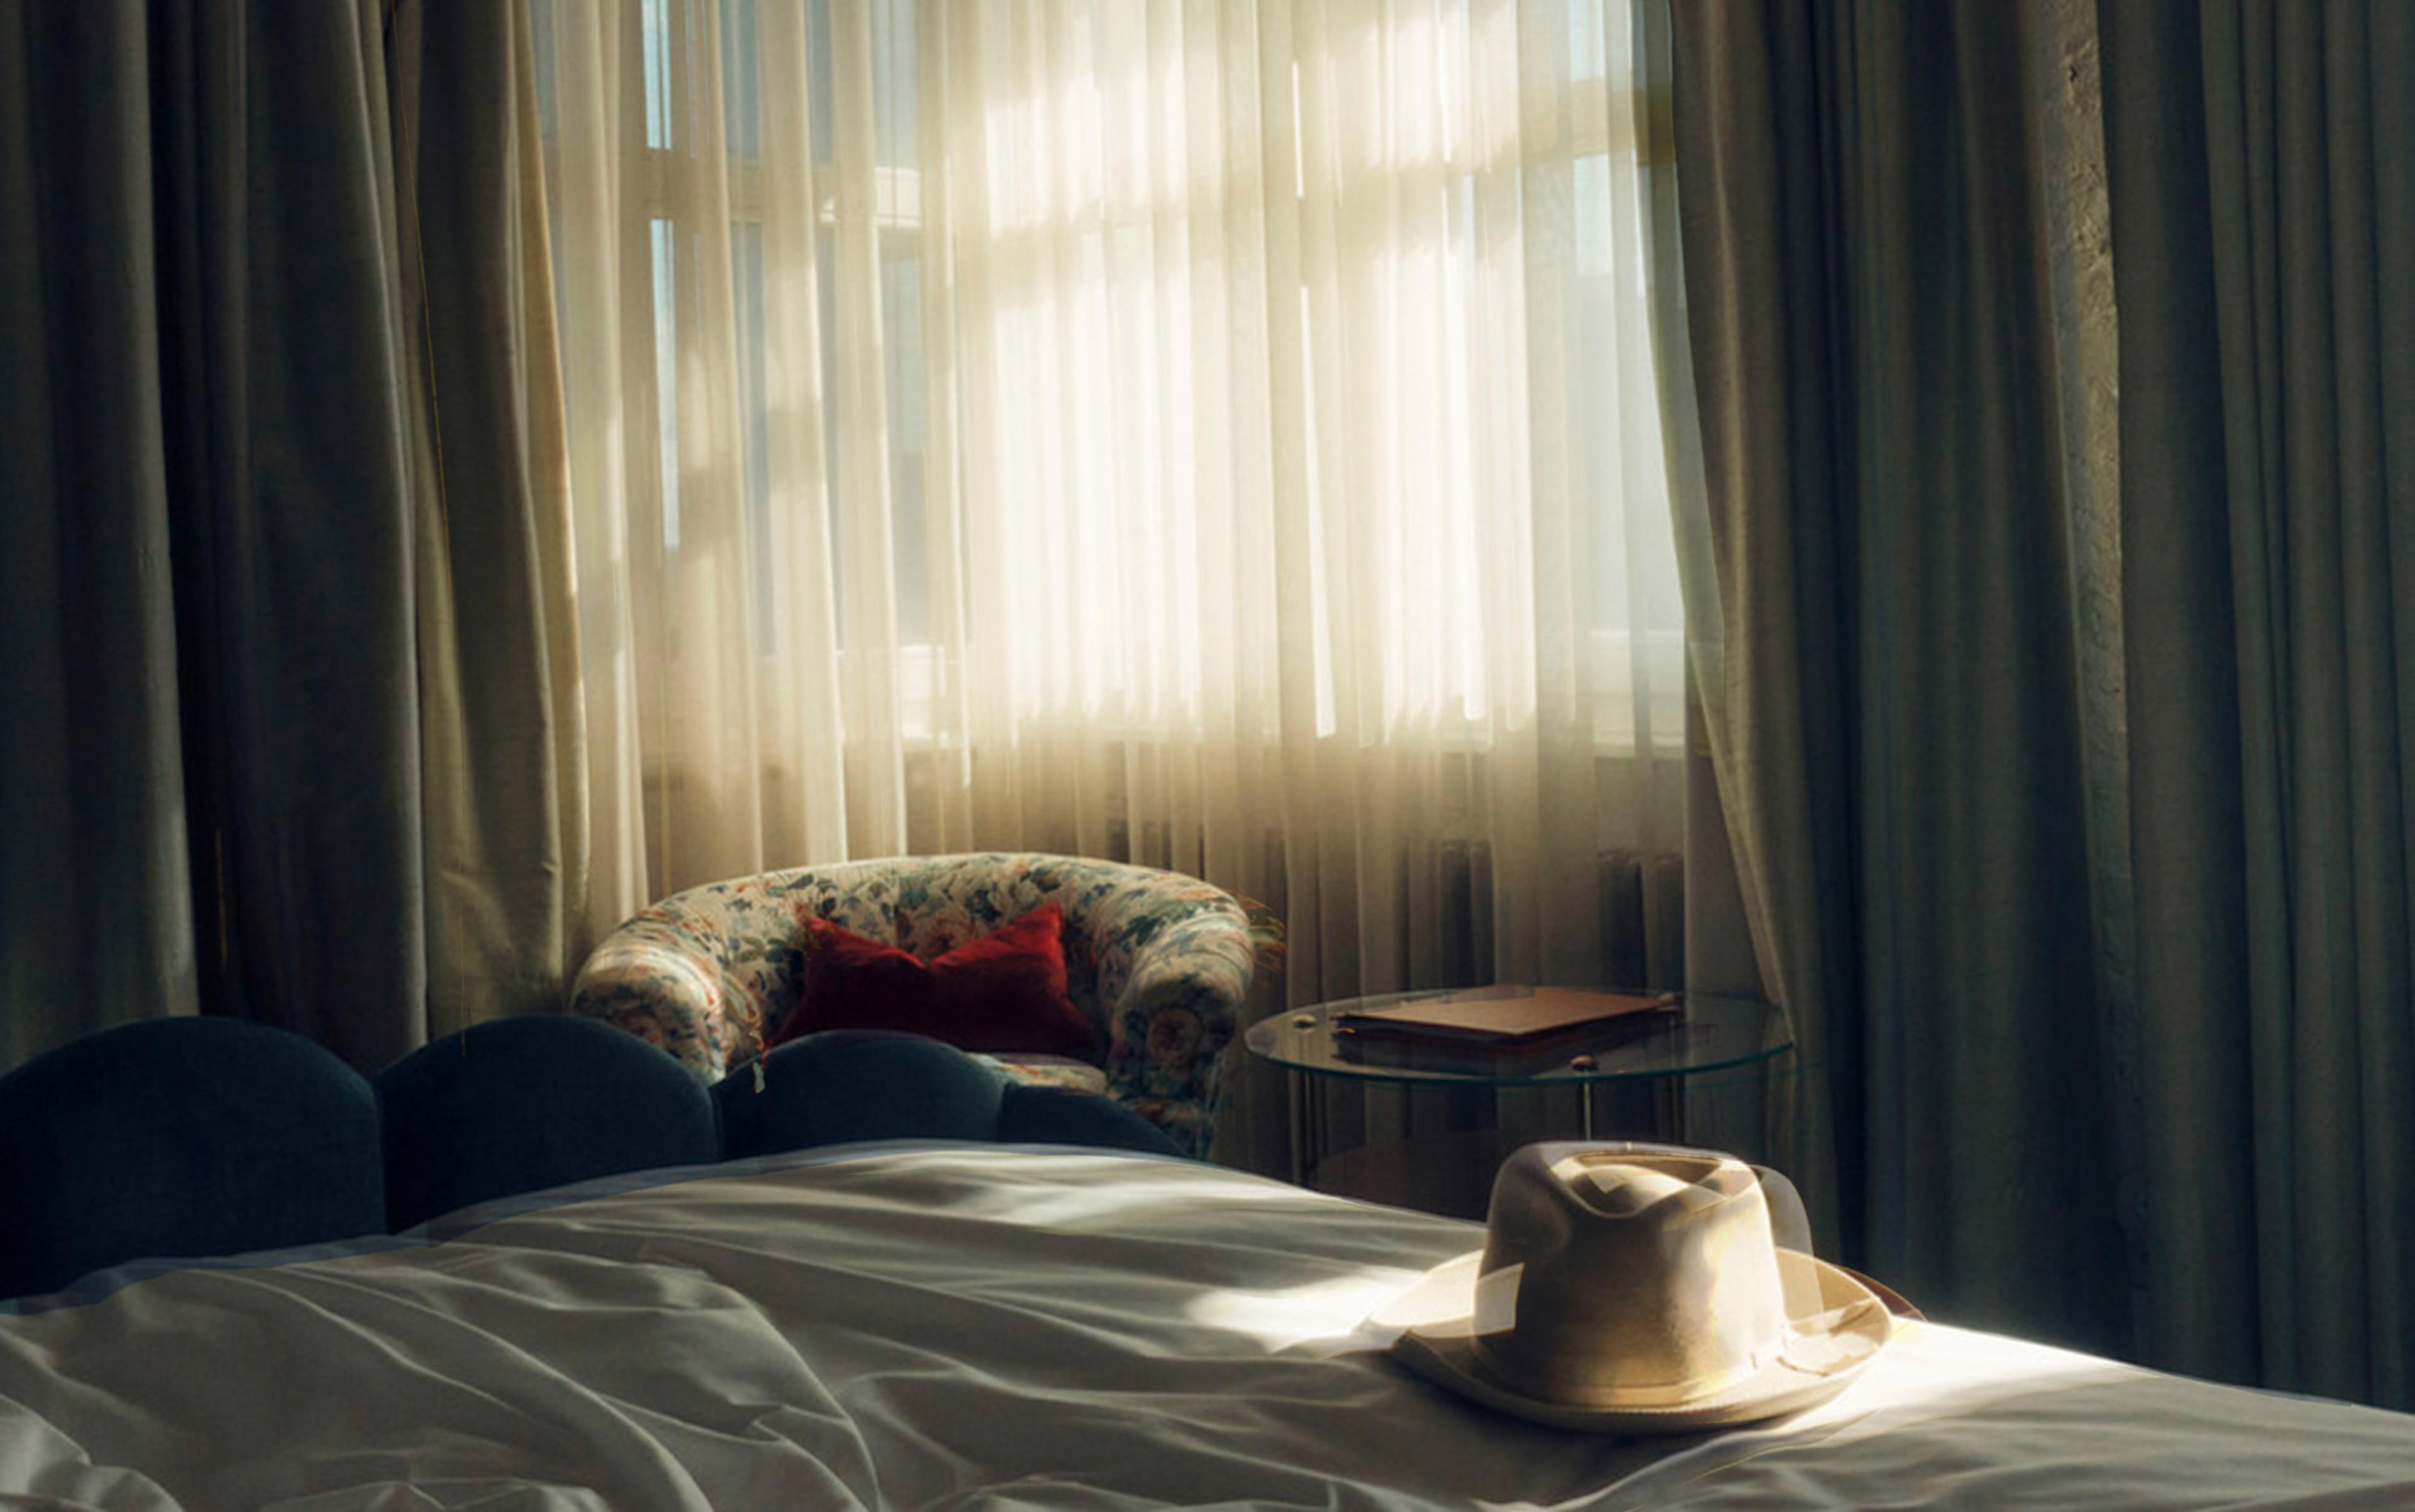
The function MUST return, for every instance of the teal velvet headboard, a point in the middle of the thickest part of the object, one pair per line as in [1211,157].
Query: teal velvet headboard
[199,1137]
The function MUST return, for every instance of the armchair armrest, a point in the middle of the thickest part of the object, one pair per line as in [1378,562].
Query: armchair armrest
[652,979]
[1175,964]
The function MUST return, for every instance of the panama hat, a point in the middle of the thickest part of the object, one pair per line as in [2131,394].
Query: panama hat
[1640,1288]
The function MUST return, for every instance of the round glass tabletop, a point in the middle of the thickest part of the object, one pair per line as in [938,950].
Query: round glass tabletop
[1707,1034]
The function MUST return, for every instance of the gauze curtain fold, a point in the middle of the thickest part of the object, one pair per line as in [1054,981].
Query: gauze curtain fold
[1217,435]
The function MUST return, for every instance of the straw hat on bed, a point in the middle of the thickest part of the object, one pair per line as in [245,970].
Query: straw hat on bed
[1640,1288]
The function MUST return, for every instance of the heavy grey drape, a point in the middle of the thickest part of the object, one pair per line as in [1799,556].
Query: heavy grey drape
[502,764]
[289,503]
[2068,775]
[1894,714]
[2263,161]
[224,600]
[209,679]
[91,771]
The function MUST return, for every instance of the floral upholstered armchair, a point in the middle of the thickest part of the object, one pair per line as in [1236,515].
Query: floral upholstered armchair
[1160,962]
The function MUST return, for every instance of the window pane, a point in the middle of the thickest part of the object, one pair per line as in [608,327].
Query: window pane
[896,143]
[1588,49]
[755,460]
[901,313]
[895,100]
[655,23]
[689,72]
[664,244]
[817,84]
[1596,295]
[833,454]
[741,93]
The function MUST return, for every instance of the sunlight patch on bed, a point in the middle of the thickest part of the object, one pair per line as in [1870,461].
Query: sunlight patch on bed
[1322,1318]
[1911,1385]
[1981,1370]
[1128,1202]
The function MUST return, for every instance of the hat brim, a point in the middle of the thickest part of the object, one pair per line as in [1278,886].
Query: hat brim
[1836,1326]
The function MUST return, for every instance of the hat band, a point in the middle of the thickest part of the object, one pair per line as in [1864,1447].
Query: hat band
[1597,1394]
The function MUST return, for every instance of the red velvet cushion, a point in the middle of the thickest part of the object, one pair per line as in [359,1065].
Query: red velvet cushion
[1003,992]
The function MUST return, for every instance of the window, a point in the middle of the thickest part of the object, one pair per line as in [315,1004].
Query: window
[1561,149]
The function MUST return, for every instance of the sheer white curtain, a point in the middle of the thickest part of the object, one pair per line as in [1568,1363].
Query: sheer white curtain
[1217,435]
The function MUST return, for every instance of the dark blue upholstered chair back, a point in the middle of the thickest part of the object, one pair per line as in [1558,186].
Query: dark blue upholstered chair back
[851,1085]
[520,1104]
[180,1137]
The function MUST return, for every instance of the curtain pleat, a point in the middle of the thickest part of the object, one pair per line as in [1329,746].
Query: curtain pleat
[297,729]
[1894,719]
[293,517]
[2261,159]
[502,758]
[96,924]
[2061,737]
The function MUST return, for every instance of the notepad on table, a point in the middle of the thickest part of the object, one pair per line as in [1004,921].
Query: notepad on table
[1507,1016]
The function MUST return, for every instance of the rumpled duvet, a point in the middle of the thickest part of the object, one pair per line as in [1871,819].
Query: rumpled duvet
[1001,1328]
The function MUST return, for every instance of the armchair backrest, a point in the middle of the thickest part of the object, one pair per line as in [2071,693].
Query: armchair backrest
[741,939]
[1161,962]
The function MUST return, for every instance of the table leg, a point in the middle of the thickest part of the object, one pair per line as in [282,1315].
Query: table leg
[1299,1129]
[1586,1092]
[1312,1096]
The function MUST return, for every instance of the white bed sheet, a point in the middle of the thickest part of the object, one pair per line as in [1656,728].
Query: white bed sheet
[1006,1328]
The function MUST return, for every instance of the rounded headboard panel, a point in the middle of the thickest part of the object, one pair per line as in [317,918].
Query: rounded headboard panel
[521,1104]
[192,1138]
[181,1137]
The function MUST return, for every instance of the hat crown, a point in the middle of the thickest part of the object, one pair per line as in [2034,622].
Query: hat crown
[1639,1276]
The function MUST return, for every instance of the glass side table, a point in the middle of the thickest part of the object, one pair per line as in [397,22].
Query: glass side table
[1709,1035]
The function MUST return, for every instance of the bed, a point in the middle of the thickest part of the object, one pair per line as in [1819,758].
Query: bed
[915,1323]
